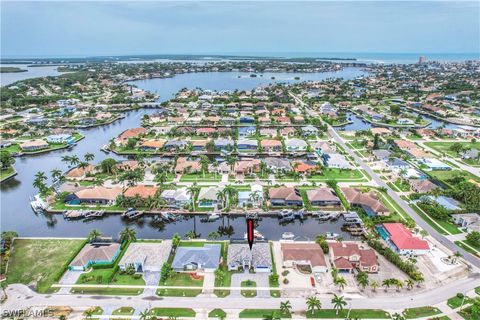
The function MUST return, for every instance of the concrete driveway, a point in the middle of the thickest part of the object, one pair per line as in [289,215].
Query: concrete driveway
[152,278]
[69,277]
[261,279]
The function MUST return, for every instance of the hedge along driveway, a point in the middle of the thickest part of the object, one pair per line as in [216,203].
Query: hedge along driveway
[41,261]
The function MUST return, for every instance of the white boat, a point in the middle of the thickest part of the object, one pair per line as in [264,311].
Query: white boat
[285,213]
[256,234]
[37,204]
[213,216]
[331,235]
[288,236]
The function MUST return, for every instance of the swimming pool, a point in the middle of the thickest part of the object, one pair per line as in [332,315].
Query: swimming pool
[383,233]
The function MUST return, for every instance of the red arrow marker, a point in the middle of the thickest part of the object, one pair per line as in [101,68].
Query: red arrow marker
[250,231]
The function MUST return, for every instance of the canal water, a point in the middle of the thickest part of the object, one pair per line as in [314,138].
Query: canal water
[17,215]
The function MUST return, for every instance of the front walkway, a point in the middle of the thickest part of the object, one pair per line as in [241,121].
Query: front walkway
[261,280]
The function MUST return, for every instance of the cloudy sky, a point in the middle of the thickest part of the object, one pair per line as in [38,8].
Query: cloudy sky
[49,28]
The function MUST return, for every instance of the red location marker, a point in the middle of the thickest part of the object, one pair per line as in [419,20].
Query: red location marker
[250,232]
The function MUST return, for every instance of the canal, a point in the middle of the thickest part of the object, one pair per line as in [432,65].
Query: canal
[15,193]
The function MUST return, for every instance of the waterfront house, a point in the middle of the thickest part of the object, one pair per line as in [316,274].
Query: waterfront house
[269,132]
[177,197]
[287,132]
[397,164]
[208,197]
[79,173]
[96,253]
[247,166]
[285,196]
[240,257]
[129,134]
[246,131]
[206,131]
[446,202]
[295,144]
[34,145]
[185,165]
[278,164]
[199,145]
[271,145]
[336,160]
[142,191]
[381,154]
[303,255]
[347,256]
[61,138]
[323,147]
[223,144]
[127,165]
[152,145]
[401,240]
[304,167]
[175,145]
[247,144]
[309,130]
[145,257]
[94,195]
[206,258]
[369,201]
[252,197]
[321,197]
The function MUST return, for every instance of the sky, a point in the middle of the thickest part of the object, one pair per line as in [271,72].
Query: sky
[92,28]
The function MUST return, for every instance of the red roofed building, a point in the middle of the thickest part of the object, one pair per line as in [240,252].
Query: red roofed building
[142,190]
[347,256]
[401,240]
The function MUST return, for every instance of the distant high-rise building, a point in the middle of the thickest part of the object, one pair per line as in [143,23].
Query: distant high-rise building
[422,59]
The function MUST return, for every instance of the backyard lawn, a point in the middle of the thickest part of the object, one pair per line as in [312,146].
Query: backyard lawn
[40,262]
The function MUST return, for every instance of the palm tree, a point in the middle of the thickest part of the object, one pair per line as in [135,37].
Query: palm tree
[230,192]
[89,157]
[88,314]
[74,160]
[313,304]
[340,282]
[362,279]
[128,234]
[386,283]
[204,162]
[374,285]
[338,303]
[94,234]
[221,197]
[66,159]
[398,284]
[144,315]
[285,307]
[192,190]
[409,283]
[56,174]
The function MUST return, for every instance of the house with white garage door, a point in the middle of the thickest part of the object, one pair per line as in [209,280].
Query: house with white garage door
[146,256]
[240,257]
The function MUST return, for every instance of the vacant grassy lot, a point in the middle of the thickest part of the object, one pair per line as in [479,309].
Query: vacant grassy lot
[420,312]
[354,313]
[101,276]
[338,175]
[40,262]
[444,147]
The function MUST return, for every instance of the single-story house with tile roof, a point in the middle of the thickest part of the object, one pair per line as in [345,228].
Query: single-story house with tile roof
[207,197]
[61,138]
[143,191]
[127,165]
[206,131]
[246,131]
[303,254]
[271,145]
[240,257]
[446,202]
[223,144]
[323,147]
[145,256]
[174,145]
[278,164]
[422,185]
[305,166]
[369,201]
[285,196]
[247,166]
[206,258]
[151,145]
[187,166]
[309,130]
[80,173]
[177,197]
[246,197]
[295,144]
[270,132]
[323,197]
[401,240]
[434,164]
[199,145]
[95,195]
[247,144]
[33,145]
[397,164]
[336,160]
[346,256]
[381,154]
[130,133]
[95,253]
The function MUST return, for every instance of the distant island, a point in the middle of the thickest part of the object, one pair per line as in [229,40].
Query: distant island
[11,69]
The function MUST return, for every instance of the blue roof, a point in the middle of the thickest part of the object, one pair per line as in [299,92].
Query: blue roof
[207,256]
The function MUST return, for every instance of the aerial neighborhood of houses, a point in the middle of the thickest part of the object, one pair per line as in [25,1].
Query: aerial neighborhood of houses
[353,184]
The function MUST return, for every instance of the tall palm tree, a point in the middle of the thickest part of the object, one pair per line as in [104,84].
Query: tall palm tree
[374,285]
[409,283]
[340,282]
[285,307]
[94,234]
[313,304]
[128,234]
[386,283]
[192,190]
[398,284]
[144,315]
[338,303]
[66,159]
[56,174]
[74,160]
[89,156]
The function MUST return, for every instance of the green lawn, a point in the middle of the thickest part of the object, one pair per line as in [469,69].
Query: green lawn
[466,248]
[338,175]
[448,227]
[107,291]
[6,173]
[444,175]
[251,292]
[40,262]
[420,312]
[101,276]
[226,281]
[123,311]
[217,313]
[182,280]
[208,177]
[456,302]
[262,313]
[173,312]
[354,313]
[444,147]
[466,314]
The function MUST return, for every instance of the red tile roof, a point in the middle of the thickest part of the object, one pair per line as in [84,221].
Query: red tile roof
[403,238]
